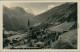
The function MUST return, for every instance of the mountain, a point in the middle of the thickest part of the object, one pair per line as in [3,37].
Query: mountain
[15,18]
[60,14]
[57,13]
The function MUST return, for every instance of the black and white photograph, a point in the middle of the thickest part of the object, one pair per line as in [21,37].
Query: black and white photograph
[40,25]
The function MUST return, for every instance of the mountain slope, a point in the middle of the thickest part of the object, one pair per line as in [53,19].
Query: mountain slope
[57,13]
[17,18]
[60,14]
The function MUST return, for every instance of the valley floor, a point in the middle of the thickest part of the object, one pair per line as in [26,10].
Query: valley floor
[69,37]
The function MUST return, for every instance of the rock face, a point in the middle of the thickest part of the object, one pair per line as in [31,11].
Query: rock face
[15,18]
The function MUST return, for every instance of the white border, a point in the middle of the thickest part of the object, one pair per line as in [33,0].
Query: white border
[39,50]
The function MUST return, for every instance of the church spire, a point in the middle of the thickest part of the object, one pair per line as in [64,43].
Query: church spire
[28,24]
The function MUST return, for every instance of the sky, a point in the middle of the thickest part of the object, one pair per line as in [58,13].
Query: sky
[34,7]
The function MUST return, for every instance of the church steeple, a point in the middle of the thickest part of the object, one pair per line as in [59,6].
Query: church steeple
[28,24]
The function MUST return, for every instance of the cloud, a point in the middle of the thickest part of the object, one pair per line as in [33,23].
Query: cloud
[51,6]
[28,10]
[37,12]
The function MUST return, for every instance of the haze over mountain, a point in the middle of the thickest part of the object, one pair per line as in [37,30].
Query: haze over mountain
[15,18]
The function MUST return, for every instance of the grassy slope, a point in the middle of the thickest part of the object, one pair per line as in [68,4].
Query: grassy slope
[62,27]
[68,38]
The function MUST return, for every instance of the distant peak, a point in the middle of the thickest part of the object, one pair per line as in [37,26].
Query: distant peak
[28,10]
